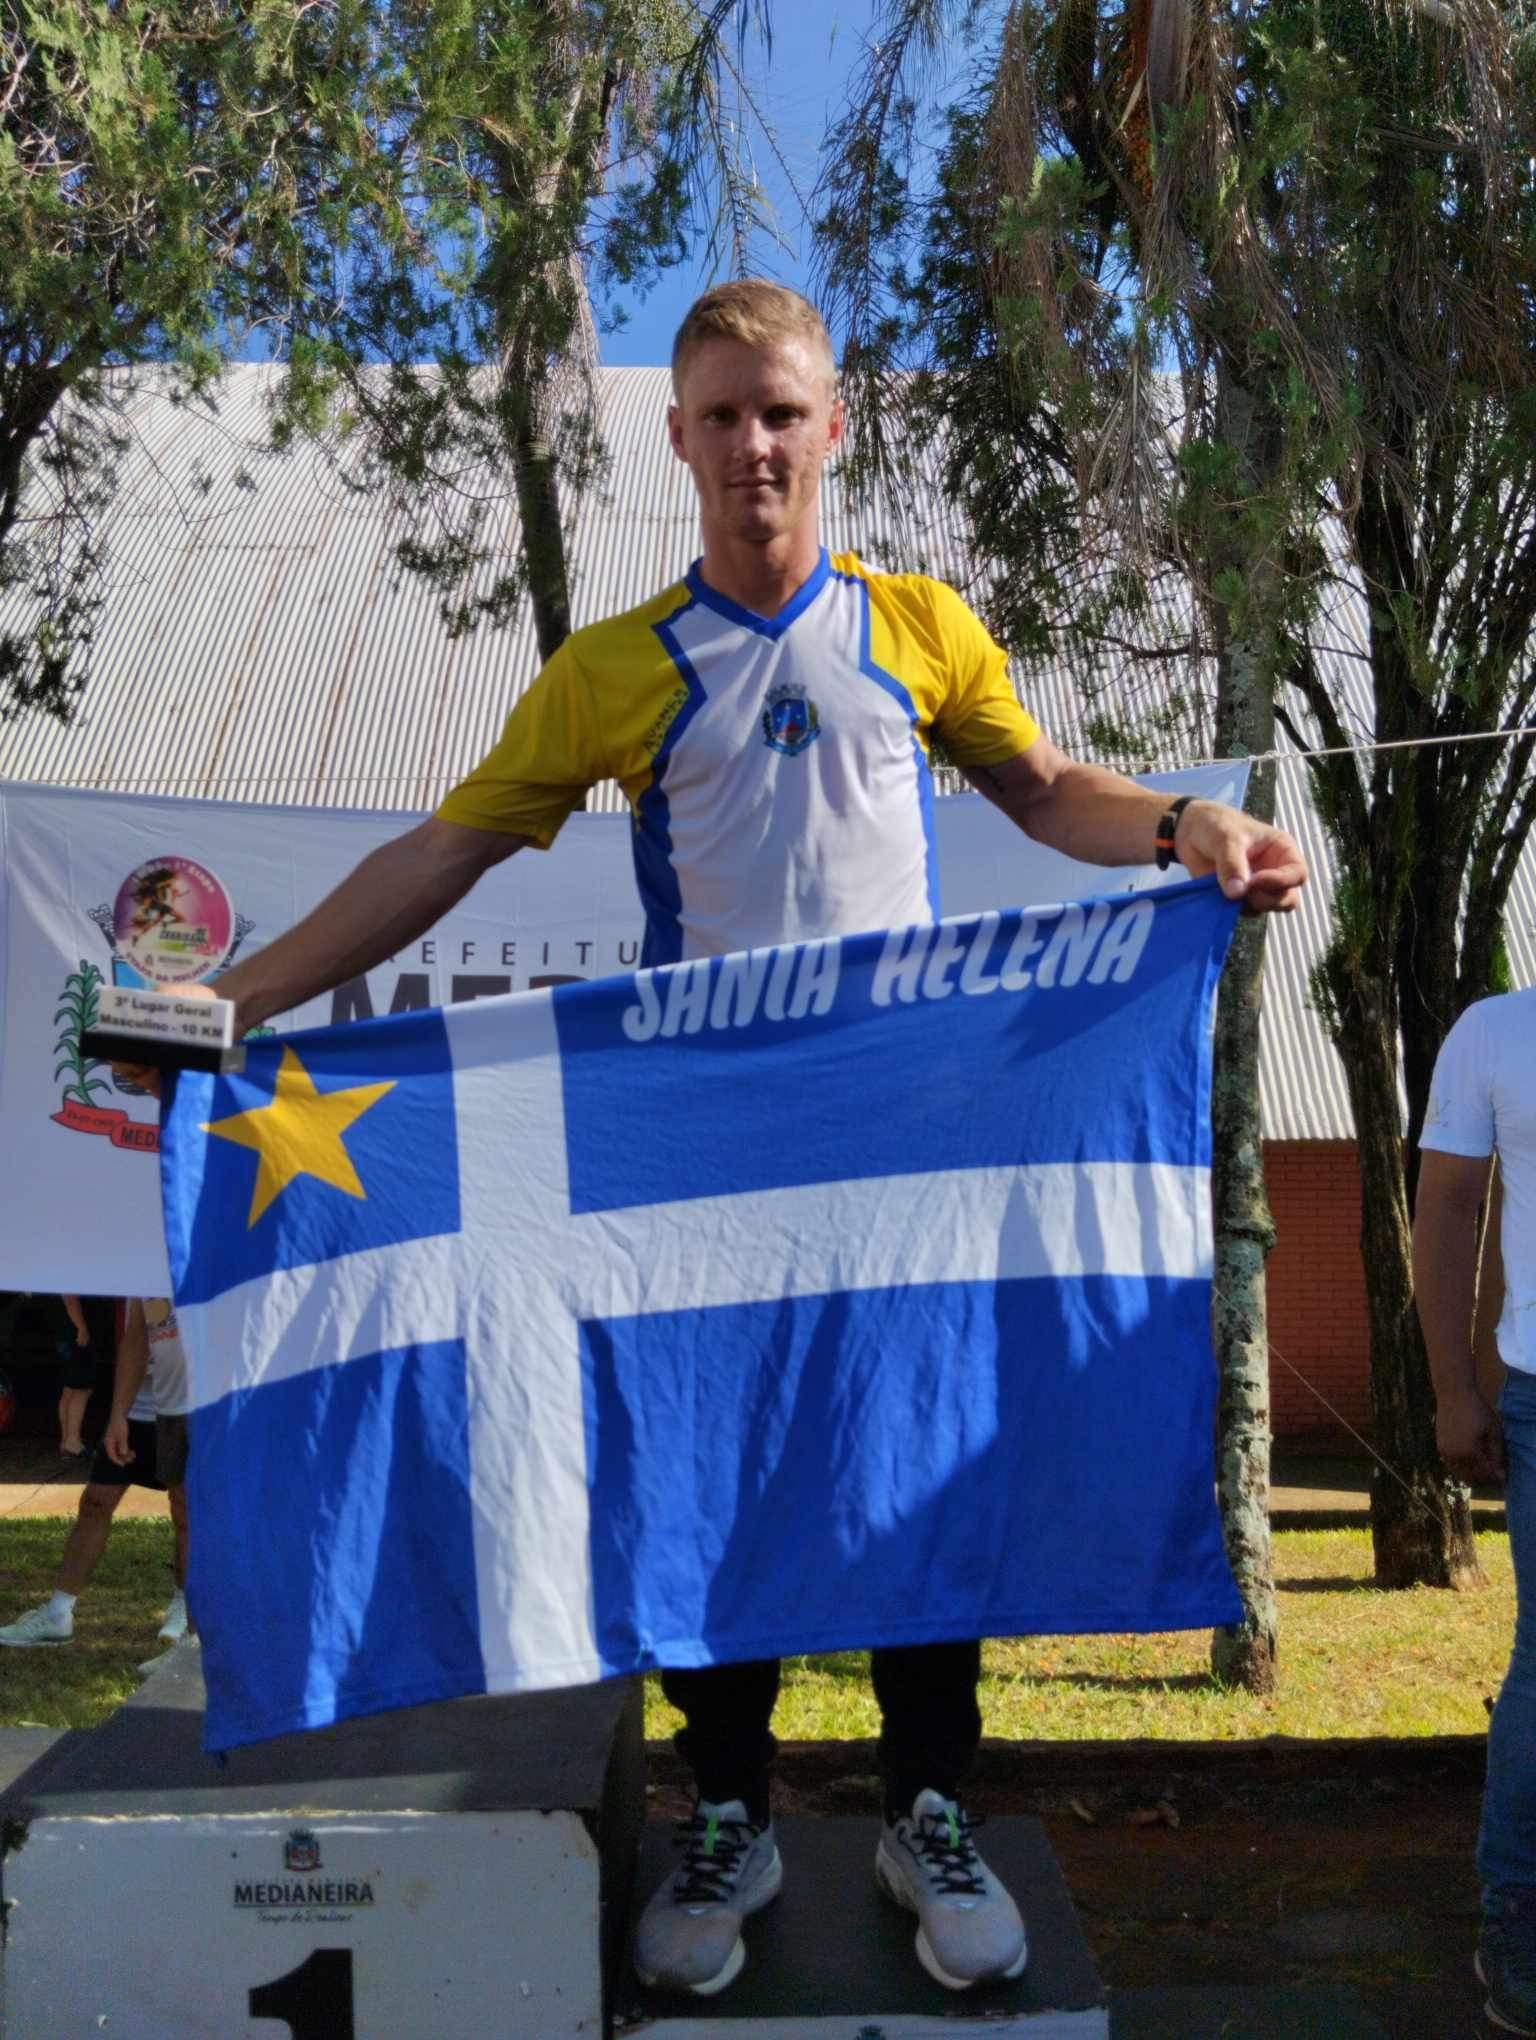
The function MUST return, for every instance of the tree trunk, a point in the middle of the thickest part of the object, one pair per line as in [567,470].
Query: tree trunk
[529,404]
[1243,1654]
[1421,1519]
[538,505]
[545,354]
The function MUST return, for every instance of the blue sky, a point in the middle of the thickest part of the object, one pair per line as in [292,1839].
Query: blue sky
[802,90]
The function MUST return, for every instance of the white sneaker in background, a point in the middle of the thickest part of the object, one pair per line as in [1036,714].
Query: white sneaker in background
[38,1625]
[174,1627]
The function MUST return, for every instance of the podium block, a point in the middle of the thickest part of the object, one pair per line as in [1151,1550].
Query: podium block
[461,1869]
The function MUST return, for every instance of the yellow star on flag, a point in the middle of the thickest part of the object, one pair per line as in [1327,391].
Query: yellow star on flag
[299,1133]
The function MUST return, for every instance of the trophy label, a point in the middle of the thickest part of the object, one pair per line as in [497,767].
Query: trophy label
[163,1019]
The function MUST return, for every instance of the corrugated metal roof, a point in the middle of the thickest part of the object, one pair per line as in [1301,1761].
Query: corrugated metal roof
[261,642]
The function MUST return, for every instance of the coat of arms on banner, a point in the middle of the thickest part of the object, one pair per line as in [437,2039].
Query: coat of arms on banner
[172,922]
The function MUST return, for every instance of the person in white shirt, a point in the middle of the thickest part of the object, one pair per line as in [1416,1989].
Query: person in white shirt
[153,1351]
[128,1456]
[1483,1103]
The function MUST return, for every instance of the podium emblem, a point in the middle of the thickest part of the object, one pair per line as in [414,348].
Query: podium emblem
[301,1851]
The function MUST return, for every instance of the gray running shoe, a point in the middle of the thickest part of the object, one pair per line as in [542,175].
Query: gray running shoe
[1506,1961]
[173,1626]
[689,1936]
[968,1928]
[37,1626]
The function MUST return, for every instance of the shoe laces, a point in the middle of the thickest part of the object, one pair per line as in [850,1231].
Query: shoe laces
[942,1844]
[714,1849]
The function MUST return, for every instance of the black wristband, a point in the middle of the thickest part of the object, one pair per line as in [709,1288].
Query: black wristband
[1168,828]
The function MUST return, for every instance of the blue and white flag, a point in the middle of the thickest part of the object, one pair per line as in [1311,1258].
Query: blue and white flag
[849,1293]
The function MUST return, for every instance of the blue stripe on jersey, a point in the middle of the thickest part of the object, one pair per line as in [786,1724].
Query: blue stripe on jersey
[771,627]
[904,1531]
[923,769]
[655,875]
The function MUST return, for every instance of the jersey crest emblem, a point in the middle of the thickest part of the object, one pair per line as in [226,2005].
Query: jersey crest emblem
[790,721]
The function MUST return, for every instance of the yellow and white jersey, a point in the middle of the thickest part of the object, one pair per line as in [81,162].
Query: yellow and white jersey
[776,767]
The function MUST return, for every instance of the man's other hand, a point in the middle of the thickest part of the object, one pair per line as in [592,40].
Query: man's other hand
[114,1441]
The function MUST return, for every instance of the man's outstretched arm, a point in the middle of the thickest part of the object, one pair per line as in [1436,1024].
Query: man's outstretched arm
[396,894]
[1101,817]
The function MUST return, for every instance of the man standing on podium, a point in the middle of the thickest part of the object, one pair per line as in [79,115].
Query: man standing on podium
[769,718]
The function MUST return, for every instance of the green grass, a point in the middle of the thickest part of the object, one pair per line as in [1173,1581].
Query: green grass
[77,1684]
[1353,1662]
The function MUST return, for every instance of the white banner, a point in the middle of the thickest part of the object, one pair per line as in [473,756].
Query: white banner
[102,888]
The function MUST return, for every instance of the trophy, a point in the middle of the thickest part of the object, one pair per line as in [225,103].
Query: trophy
[171,926]
[163,1030]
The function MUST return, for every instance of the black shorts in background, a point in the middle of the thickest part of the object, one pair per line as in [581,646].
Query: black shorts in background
[77,1364]
[106,1472]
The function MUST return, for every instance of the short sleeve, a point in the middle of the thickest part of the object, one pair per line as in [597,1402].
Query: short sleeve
[1459,1119]
[540,767]
[980,720]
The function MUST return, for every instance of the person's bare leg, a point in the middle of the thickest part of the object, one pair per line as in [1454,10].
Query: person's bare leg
[87,1539]
[177,1497]
[72,1407]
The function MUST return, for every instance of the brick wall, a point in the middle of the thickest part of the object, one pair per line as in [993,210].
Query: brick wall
[1316,1293]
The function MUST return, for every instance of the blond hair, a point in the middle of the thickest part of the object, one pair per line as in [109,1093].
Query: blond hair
[755,312]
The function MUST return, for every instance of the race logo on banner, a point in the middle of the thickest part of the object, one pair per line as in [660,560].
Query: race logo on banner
[172,922]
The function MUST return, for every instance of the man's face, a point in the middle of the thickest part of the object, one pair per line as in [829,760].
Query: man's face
[755,426]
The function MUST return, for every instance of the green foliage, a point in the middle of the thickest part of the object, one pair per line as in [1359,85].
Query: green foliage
[360,187]
[161,170]
[533,158]
[77,1010]
[1327,226]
